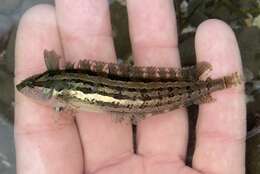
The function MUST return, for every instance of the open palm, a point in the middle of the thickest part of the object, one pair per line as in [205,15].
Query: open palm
[94,143]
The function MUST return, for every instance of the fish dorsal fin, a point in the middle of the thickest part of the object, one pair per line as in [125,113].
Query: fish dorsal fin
[84,64]
[51,59]
[69,65]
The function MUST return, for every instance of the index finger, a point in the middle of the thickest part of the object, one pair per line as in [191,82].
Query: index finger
[41,143]
[86,34]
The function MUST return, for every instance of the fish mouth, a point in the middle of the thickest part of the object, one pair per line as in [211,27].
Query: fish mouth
[25,83]
[28,82]
[20,86]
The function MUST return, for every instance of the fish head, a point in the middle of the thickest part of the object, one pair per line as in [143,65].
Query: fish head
[32,88]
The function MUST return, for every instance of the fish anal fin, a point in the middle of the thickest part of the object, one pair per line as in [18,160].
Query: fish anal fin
[135,119]
[205,99]
[127,118]
[119,117]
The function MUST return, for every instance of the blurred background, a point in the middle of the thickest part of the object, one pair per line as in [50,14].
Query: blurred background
[242,15]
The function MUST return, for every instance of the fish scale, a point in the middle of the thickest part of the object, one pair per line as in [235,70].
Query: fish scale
[132,92]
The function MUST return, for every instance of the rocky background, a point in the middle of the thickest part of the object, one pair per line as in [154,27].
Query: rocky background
[242,15]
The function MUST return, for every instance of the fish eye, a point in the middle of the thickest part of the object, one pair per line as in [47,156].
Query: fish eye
[29,83]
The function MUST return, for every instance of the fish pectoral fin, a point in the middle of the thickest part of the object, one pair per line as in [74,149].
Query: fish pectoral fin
[68,109]
[52,60]
[58,108]
[63,116]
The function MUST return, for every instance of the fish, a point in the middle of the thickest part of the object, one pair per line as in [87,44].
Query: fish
[128,92]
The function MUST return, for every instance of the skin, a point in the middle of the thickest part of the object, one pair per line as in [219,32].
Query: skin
[94,143]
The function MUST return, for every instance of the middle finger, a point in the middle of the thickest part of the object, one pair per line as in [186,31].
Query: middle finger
[153,35]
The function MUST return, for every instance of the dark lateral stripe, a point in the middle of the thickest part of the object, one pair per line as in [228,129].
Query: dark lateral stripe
[114,83]
[152,92]
[116,92]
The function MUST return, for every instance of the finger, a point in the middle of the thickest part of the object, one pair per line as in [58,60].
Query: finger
[41,143]
[86,34]
[220,145]
[85,30]
[154,40]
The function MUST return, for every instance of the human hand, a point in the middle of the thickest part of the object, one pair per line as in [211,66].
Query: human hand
[94,143]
